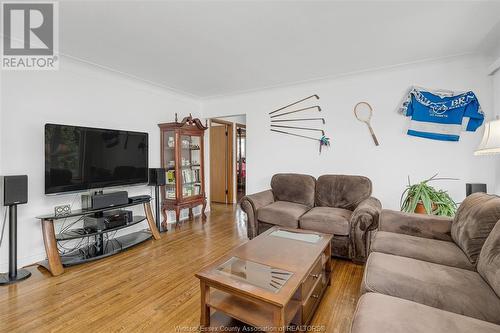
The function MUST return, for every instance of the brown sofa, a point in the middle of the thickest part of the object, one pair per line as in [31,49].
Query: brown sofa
[432,274]
[335,204]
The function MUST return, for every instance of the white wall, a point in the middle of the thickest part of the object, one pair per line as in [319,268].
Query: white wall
[81,95]
[352,150]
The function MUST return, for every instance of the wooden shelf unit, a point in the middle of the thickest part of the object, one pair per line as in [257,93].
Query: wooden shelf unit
[182,156]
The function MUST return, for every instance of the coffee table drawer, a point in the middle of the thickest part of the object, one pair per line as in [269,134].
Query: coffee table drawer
[311,279]
[310,304]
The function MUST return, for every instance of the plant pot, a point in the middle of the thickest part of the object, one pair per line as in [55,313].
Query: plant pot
[420,209]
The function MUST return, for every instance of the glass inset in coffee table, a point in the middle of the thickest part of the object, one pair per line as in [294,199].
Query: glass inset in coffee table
[259,275]
[296,235]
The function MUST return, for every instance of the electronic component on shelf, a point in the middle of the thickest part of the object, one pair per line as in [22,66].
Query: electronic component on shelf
[104,200]
[139,198]
[108,220]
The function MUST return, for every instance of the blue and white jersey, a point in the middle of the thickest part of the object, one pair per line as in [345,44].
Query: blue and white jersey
[441,116]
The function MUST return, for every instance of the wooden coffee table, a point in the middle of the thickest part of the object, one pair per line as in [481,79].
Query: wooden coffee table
[270,282]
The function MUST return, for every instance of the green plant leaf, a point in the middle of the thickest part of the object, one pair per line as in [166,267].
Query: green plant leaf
[430,197]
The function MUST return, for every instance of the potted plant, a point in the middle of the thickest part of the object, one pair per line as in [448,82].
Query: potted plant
[425,199]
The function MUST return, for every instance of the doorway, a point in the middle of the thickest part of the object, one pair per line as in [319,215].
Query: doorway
[221,158]
[227,159]
[241,161]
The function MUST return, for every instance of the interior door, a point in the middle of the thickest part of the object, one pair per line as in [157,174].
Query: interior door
[218,163]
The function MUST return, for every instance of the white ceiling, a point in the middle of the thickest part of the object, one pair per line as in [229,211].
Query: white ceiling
[207,48]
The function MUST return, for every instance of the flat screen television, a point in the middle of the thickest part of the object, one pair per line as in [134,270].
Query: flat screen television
[81,158]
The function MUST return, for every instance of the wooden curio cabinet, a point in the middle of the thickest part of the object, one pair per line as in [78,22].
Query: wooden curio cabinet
[182,157]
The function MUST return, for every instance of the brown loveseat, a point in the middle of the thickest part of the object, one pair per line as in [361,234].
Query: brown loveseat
[335,204]
[434,274]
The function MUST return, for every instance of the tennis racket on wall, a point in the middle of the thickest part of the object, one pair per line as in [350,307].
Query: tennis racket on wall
[282,114]
[363,112]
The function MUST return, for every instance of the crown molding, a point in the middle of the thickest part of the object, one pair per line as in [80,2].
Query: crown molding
[495,66]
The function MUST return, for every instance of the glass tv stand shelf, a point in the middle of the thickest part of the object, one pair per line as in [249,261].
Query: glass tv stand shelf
[102,246]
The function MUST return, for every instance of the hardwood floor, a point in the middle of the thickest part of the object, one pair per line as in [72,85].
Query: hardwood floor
[151,287]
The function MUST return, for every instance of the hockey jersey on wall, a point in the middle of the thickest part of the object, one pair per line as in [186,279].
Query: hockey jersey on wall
[441,115]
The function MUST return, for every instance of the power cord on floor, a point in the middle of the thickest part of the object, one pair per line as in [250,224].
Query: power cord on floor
[3,225]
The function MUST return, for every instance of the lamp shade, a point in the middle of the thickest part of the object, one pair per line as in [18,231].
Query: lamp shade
[490,144]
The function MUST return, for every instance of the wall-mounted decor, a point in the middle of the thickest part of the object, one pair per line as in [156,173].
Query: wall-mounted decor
[299,119]
[441,114]
[301,128]
[297,102]
[363,112]
[290,130]
[323,141]
[299,110]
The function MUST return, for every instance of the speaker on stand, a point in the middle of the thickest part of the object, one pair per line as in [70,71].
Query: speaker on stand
[474,188]
[15,192]
[157,179]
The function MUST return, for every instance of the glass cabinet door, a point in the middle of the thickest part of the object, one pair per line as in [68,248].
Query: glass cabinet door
[169,163]
[190,159]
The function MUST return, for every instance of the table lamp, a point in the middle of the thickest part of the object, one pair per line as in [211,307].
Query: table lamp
[490,144]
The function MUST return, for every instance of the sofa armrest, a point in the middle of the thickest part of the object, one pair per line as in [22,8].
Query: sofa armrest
[364,219]
[419,225]
[250,204]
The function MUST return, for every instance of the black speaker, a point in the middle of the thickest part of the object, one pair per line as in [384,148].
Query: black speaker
[157,177]
[104,200]
[15,190]
[473,188]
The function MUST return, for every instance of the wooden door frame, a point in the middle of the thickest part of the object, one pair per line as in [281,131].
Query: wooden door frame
[236,127]
[229,152]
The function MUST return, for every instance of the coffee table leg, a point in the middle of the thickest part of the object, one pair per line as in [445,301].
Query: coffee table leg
[328,253]
[205,309]
[279,319]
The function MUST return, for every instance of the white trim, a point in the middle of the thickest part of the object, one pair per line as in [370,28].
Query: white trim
[495,66]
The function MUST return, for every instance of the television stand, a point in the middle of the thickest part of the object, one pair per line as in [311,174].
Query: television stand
[102,247]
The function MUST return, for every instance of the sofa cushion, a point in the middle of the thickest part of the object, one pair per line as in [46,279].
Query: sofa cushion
[328,220]
[475,219]
[377,313]
[489,260]
[443,287]
[341,191]
[283,213]
[432,250]
[294,187]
